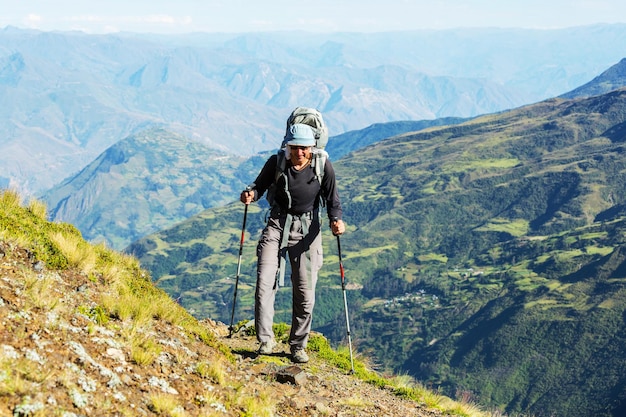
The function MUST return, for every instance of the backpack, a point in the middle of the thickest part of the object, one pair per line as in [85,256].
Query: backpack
[313,118]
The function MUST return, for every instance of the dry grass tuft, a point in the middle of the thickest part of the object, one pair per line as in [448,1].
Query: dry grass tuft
[39,290]
[214,370]
[79,253]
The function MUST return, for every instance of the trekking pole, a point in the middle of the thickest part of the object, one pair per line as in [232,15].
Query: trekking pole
[243,230]
[345,300]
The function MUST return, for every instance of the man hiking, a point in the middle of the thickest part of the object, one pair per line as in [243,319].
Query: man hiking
[293,229]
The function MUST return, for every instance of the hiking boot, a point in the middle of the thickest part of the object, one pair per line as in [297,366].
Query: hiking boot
[267,348]
[299,356]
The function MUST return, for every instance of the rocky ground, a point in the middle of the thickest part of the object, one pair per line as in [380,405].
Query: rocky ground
[56,360]
[315,388]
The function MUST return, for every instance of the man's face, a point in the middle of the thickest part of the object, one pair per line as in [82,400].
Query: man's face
[299,155]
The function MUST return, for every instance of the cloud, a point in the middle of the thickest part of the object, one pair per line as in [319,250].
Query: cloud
[115,23]
[33,21]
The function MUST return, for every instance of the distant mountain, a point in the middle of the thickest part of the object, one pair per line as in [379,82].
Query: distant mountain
[67,97]
[609,80]
[154,179]
[145,183]
[485,258]
[340,145]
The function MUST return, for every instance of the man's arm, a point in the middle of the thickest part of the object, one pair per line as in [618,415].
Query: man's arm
[262,182]
[333,203]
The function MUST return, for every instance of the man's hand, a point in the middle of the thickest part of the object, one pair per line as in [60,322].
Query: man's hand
[337,227]
[247,197]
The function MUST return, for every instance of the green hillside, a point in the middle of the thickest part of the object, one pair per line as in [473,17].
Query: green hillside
[145,183]
[484,258]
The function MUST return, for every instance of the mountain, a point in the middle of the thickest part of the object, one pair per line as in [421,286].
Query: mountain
[66,97]
[611,79]
[484,258]
[85,332]
[354,140]
[155,178]
[145,183]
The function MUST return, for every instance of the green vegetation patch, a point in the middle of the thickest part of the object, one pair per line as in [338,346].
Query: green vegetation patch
[433,257]
[481,164]
[368,251]
[28,226]
[517,227]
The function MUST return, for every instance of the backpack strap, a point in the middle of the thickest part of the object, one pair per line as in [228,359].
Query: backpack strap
[281,165]
[318,161]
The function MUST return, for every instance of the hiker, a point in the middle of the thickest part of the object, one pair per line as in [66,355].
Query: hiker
[295,210]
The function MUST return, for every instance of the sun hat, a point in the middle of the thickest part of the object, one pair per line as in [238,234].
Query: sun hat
[300,134]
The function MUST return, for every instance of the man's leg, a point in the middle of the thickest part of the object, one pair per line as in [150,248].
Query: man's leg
[265,294]
[305,255]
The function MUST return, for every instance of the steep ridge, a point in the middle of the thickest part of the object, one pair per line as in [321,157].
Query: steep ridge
[611,79]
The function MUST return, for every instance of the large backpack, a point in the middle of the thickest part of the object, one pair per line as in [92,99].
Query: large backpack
[313,118]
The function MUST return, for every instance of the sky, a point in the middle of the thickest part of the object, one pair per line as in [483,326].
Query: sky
[326,16]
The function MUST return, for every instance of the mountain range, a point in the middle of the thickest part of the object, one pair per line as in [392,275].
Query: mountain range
[174,178]
[66,97]
[156,178]
[144,183]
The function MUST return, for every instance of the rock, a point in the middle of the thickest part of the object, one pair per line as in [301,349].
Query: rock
[291,374]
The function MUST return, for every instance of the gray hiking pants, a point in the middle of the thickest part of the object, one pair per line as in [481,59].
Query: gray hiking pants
[305,256]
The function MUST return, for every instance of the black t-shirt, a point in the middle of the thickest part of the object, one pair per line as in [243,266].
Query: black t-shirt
[304,188]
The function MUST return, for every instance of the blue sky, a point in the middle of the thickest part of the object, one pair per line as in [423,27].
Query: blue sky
[183,16]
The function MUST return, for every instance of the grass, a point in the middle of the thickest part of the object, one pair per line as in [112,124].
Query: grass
[356,401]
[38,290]
[166,405]
[214,370]
[79,253]
[262,405]
[96,313]
[486,164]
[433,257]
[15,377]
[144,350]
[515,228]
